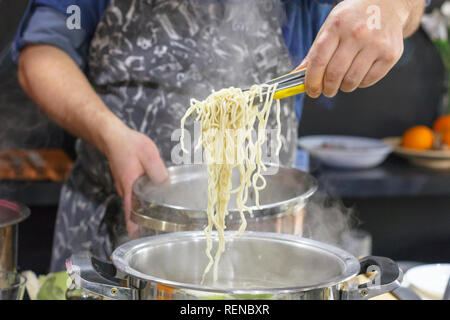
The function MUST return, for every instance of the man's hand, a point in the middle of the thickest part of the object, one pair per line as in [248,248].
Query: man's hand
[358,44]
[130,155]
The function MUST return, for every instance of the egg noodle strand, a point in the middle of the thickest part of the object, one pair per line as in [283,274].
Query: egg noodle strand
[228,118]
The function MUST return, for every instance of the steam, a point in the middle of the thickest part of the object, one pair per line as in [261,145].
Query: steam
[22,124]
[327,219]
[234,20]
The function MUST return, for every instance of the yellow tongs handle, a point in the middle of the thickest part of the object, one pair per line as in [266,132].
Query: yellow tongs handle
[290,84]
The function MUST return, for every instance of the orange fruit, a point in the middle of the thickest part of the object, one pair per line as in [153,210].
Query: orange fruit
[445,137]
[419,138]
[442,123]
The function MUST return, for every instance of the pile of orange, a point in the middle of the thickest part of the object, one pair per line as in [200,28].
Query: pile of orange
[424,138]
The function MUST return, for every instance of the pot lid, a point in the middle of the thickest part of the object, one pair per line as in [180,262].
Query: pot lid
[12,213]
[253,263]
[182,200]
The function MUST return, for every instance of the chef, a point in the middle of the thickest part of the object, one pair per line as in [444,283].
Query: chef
[122,79]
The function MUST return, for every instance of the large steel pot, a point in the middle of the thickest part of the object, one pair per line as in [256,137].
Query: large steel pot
[180,204]
[11,214]
[255,265]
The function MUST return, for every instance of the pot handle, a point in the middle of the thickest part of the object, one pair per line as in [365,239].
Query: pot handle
[388,278]
[97,276]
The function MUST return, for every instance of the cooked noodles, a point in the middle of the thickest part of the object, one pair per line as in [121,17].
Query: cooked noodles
[228,118]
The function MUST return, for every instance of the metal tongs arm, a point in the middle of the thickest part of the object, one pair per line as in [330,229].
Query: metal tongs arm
[289,84]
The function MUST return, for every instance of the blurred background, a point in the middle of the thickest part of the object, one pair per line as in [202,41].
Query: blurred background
[405,208]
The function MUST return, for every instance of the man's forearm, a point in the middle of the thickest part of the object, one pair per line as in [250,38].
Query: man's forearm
[61,90]
[415,9]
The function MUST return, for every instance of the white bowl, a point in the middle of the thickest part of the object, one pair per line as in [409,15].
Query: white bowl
[429,281]
[351,153]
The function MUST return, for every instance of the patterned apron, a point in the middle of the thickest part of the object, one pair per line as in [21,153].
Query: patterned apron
[147,59]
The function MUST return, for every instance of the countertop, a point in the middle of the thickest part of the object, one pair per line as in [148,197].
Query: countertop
[394,178]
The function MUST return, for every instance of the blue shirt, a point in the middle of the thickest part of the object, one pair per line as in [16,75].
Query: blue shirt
[45,23]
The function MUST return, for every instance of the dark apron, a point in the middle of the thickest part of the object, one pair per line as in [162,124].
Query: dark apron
[147,59]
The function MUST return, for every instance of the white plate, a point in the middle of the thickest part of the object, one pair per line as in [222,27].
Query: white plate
[357,152]
[428,280]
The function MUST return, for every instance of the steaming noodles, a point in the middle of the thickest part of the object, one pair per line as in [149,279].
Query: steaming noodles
[227,119]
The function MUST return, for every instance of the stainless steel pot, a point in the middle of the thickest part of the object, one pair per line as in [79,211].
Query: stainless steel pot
[12,285]
[179,204]
[11,214]
[254,266]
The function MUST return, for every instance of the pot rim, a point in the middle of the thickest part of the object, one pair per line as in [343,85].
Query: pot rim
[23,212]
[302,197]
[121,254]
[151,223]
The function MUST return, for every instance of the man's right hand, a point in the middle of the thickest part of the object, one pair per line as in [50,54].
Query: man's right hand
[130,155]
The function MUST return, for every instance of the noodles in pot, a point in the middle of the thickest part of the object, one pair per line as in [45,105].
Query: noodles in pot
[228,118]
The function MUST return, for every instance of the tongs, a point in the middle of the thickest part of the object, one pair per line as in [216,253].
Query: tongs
[289,85]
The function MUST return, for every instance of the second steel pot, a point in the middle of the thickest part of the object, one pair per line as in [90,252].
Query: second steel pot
[11,214]
[180,204]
